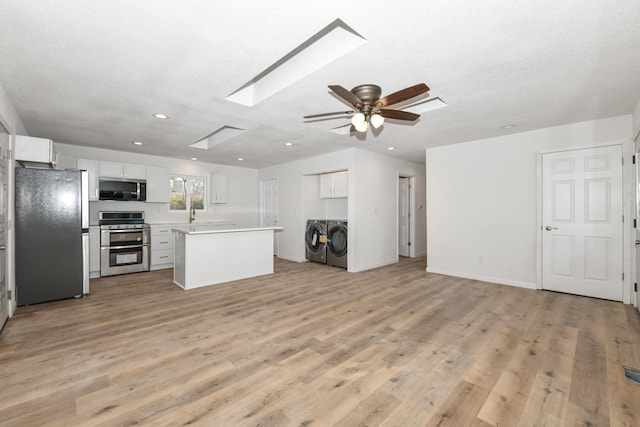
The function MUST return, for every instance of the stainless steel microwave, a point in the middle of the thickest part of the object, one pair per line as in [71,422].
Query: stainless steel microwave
[123,189]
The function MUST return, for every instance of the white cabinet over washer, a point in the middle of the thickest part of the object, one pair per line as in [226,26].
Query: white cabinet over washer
[334,185]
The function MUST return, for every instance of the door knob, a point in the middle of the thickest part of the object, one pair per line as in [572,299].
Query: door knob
[549,228]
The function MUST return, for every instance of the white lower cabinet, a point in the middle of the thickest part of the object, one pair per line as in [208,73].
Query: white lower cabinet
[161,246]
[94,251]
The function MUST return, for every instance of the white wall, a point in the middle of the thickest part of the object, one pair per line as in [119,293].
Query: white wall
[242,206]
[8,115]
[636,121]
[482,199]
[371,205]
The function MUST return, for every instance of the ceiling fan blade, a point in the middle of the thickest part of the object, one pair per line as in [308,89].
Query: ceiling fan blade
[346,95]
[403,95]
[399,115]
[313,116]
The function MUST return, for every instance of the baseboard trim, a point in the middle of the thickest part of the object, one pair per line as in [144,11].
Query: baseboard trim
[292,258]
[372,266]
[498,280]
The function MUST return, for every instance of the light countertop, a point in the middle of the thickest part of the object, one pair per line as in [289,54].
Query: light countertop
[185,224]
[219,228]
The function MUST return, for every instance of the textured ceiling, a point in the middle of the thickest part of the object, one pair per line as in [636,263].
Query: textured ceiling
[93,72]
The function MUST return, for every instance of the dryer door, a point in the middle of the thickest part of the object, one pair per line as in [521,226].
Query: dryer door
[337,240]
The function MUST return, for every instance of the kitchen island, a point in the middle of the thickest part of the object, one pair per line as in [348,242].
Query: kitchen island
[216,253]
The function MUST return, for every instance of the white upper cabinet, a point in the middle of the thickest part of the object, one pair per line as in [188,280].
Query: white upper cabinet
[91,166]
[37,150]
[157,184]
[218,187]
[122,170]
[334,185]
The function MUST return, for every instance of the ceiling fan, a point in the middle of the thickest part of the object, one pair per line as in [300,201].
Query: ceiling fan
[370,107]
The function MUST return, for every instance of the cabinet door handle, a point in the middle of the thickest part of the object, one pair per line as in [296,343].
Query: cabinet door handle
[164,242]
[165,256]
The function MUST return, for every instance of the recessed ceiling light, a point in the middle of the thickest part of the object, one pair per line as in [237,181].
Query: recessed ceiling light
[137,143]
[508,126]
[288,144]
[240,158]
[391,148]
[160,116]
[194,158]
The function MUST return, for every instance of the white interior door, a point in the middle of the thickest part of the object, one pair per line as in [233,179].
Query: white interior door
[4,159]
[636,297]
[582,234]
[269,200]
[404,216]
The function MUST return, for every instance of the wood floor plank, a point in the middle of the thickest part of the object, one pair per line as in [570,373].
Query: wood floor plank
[461,407]
[312,345]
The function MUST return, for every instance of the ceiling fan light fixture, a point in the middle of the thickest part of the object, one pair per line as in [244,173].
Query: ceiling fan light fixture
[376,120]
[361,127]
[358,119]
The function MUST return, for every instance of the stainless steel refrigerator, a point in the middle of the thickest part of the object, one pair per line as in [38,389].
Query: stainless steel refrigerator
[52,235]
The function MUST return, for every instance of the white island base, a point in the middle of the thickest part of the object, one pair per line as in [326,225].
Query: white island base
[208,255]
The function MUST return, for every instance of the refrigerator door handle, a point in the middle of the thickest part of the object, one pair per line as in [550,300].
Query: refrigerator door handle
[84,197]
[85,263]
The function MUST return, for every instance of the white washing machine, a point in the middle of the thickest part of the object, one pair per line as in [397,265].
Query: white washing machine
[315,240]
[337,232]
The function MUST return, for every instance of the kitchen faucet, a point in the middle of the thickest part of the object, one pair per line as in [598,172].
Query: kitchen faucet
[192,214]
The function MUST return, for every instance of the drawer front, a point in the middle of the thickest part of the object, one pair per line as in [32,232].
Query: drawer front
[162,229]
[161,241]
[164,256]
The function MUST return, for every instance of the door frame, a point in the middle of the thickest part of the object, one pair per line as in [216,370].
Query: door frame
[412,216]
[261,183]
[409,212]
[636,209]
[627,209]
[9,238]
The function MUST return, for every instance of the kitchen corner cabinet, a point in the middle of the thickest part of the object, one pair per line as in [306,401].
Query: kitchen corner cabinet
[122,170]
[218,187]
[334,185]
[94,251]
[91,166]
[158,184]
[161,246]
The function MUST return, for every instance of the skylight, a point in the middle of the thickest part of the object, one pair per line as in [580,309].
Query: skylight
[217,137]
[332,42]
[424,106]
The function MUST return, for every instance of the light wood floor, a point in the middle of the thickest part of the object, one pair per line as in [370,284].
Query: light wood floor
[316,346]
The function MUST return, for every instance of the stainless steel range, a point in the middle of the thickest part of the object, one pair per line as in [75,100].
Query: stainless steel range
[124,243]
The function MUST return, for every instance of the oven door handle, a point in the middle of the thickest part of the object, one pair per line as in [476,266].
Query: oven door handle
[127,230]
[123,247]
